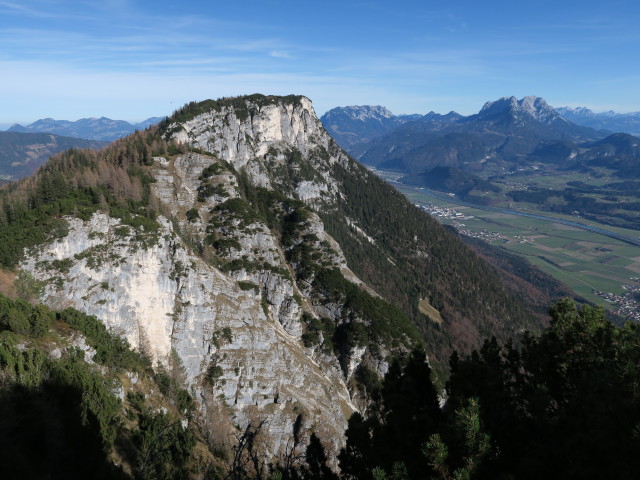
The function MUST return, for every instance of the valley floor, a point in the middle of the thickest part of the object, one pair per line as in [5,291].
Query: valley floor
[600,263]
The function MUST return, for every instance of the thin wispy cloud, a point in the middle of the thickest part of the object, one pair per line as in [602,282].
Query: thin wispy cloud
[22,9]
[406,56]
[280,54]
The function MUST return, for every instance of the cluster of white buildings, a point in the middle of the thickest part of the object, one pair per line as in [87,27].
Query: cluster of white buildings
[483,235]
[626,304]
[456,217]
[443,212]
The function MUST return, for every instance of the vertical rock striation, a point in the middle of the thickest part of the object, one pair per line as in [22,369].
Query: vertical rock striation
[216,290]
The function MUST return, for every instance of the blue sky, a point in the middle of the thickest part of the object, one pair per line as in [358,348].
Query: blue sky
[130,60]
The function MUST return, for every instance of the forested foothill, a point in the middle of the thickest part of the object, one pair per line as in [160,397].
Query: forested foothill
[64,412]
[563,403]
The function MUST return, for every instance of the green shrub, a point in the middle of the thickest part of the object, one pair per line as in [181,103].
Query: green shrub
[20,317]
[213,373]
[111,350]
[193,215]
[17,322]
[245,285]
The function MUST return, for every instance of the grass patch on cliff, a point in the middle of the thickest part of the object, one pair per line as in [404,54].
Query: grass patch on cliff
[384,322]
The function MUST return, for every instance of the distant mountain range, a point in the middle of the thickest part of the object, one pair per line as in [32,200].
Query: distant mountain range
[609,121]
[506,135]
[103,129]
[22,153]
[355,125]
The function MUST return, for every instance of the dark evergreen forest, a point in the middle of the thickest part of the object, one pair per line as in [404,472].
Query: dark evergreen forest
[563,403]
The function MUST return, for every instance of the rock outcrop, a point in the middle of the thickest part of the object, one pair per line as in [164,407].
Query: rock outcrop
[216,290]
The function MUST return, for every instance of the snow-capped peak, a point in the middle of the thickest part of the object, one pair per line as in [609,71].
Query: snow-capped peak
[365,112]
[533,106]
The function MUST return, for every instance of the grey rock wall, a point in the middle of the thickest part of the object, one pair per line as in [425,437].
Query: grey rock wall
[240,349]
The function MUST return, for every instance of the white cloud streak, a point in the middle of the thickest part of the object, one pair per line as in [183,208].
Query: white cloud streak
[58,55]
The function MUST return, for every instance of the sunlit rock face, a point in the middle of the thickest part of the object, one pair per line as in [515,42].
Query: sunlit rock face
[233,334]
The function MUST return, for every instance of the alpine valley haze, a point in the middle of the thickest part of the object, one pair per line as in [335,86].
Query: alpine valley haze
[514,160]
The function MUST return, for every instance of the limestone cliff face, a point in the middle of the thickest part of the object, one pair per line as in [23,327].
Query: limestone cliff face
[217,289]
[261,138]
[168,302]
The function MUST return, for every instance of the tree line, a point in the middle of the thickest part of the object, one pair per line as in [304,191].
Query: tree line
[562,403]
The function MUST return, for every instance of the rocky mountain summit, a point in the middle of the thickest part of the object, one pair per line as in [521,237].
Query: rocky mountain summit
[237,246]
[496,140]
[354,125]
[534,107]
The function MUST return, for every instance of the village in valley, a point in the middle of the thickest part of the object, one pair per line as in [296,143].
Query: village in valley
[456,218]
[625,304]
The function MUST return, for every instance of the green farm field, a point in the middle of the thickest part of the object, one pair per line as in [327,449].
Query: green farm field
[583,260]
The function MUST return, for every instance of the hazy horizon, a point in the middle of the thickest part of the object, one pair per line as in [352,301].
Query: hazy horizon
[6,126]
[131,60]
